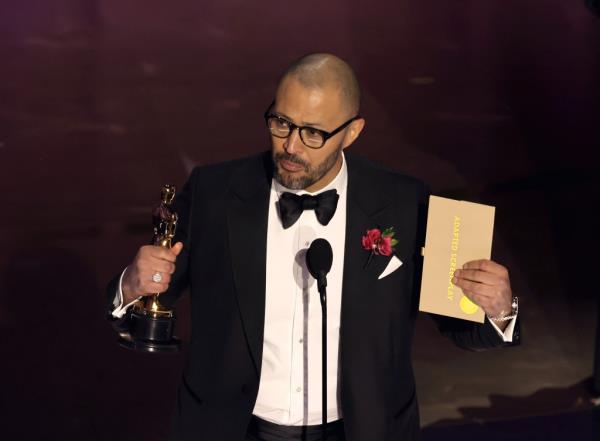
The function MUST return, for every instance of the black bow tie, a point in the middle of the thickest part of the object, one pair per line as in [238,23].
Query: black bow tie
[291,206]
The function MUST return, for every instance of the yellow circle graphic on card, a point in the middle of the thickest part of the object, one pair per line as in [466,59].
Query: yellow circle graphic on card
[467,306]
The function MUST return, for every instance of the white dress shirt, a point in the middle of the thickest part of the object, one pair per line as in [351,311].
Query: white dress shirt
[290,383]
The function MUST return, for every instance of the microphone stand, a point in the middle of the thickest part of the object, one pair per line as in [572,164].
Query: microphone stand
[322,286]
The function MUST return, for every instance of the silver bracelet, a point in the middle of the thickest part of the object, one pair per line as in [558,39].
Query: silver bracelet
[513,313]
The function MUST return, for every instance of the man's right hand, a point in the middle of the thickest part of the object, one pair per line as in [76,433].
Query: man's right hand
[149,260]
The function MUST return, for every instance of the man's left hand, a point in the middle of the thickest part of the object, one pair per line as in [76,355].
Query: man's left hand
[486,284]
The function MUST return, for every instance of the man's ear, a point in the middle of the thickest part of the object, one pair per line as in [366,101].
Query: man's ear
[353,132]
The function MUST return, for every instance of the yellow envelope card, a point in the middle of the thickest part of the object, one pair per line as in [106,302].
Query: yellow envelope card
[457,232]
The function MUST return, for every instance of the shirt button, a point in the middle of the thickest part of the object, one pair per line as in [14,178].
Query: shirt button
[301,340]
[307,243]
[298,389]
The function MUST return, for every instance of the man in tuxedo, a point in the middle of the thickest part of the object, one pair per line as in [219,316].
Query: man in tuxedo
[254,364]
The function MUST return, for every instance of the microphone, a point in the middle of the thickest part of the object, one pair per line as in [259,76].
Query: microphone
[319,258]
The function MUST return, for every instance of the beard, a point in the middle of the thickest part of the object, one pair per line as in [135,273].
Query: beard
[311,174]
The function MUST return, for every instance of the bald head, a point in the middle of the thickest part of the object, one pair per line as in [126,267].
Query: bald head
[323,71]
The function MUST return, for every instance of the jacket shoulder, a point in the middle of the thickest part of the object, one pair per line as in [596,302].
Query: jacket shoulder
[218,178]
[226,170]
[387,178]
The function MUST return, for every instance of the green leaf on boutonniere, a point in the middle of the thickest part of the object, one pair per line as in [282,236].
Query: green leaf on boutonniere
[394,242]
[388,232]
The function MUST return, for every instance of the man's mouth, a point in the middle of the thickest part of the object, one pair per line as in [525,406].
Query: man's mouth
[291,166]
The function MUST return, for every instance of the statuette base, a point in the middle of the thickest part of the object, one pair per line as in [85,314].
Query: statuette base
[149,333]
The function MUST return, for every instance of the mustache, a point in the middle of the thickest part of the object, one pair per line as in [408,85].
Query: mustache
[290,158]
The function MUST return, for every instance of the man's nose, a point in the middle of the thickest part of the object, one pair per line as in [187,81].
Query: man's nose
[293,143]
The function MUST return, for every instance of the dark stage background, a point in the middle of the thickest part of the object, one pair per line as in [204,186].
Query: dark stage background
[102,101]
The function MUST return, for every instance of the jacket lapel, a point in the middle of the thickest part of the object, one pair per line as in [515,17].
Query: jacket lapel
[367,201]
[247,217]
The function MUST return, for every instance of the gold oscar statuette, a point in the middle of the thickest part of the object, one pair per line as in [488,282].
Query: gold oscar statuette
[152,324]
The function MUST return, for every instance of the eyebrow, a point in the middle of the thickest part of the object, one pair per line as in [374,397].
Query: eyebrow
[302,124]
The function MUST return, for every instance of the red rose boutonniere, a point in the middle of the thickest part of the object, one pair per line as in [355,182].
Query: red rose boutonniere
[379,243]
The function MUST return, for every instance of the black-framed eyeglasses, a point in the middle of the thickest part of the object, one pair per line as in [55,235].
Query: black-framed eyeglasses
[310,136]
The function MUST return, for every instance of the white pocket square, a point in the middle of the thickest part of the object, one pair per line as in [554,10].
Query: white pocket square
[392,266]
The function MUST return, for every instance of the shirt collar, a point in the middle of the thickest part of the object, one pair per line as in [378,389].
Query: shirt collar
[338,183]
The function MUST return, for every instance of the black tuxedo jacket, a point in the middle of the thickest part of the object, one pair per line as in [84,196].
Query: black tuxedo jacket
[223,224]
